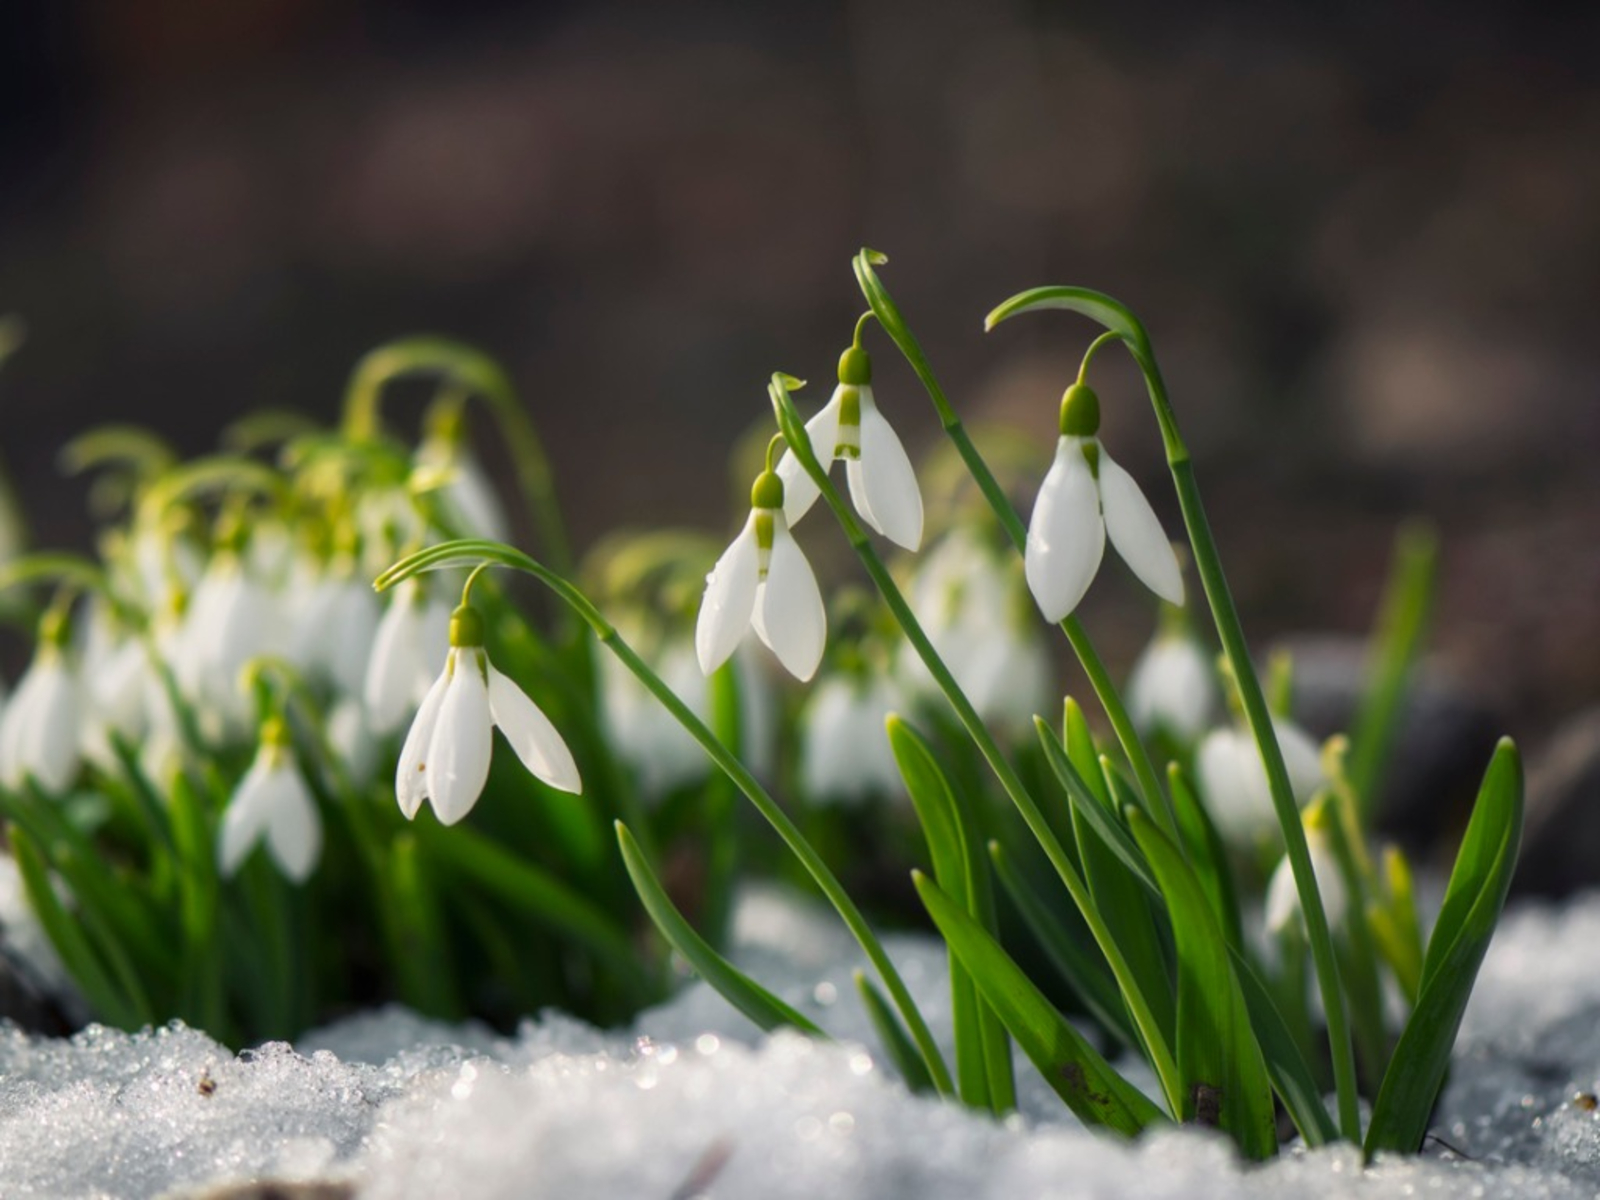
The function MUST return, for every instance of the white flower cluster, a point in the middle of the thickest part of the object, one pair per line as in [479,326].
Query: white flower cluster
[187,618]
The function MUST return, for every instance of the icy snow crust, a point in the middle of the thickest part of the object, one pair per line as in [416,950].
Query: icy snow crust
[695,1101]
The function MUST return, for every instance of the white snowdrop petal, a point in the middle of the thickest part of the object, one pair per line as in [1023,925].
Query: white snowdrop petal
[1235,786]
[531,734]
[1136,532]
[391,666]
[458,752]
[55,730]
[1067,536]
[790,618]
[411,776]
[244,819]
[729,598]
[888,485]
[353,626]
[1301,757]
[800,491]
[1172,687]
[294,831]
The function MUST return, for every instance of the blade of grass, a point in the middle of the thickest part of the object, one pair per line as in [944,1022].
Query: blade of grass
[893,1037]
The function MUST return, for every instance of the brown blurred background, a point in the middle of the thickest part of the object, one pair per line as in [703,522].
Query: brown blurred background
[1366,246]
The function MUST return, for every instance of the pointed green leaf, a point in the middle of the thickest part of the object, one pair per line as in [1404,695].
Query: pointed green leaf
[1069,1064]
[1207,853]
[897,1043]
[1472,906]
[1096,813]
[1218,1055]
[732,984]
[1291,1075]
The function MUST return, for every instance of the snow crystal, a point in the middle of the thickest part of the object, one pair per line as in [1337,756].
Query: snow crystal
[693,1101]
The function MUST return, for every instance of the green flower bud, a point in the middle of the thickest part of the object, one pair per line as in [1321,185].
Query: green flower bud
[1080,412]
[767,491]
[466,627]
[855,367]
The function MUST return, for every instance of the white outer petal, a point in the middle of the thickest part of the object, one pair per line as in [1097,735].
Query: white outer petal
[1234,785]
[411,775]
[882,482]
[1067,536]
[1283,897]
[294,831]
[1172,686]
[1136,532]
[54,732]
[353,623]
[531,734]
[462,741]
[800,491]
[245,817]
[788,615]
[1301,758]
[392,664]
[729,599]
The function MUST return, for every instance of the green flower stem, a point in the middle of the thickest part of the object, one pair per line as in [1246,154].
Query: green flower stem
[1156,800]
[1114,316]
[1155,1044]
[480,374]
[460,553]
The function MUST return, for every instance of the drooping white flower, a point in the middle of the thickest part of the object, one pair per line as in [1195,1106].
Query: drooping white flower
[883,486]
[272,802]
[412,635]
[39,732]
[1085,498]
[845,756]
[445,758]
[1283,911]
[1233,779]
[232,617]
[1173,686]
[972,604]
[351,737]
[762,581]
[470,505]
[334,627]
[114,670]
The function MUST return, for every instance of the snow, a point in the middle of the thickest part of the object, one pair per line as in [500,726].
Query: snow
[694,1101]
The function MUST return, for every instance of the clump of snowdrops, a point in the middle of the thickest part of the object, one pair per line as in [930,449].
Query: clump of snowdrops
[1200,888]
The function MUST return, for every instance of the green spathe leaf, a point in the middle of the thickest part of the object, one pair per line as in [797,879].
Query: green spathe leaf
[1083,1079]
[1218,1055]
[1473,902]
[732,984]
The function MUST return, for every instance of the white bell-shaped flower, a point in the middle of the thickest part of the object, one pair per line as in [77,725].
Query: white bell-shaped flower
[273,803]
[232,618]
[413,634]
[1085,498]
[1283,912]
[883,486]
[335,627]
[445,759]
[763,581]
[39,732]
[845,756]
[1233,779]
[1173,686]
[470,506]
[973,606]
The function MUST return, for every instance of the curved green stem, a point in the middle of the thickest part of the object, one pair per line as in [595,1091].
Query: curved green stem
[1116,317]
[460,553]
[481,375]
[1155,1043]
[1156,800]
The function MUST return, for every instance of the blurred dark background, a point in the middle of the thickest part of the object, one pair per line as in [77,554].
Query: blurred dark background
[1367,246]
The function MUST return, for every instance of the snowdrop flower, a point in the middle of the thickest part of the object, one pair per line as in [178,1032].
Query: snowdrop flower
[412,635]
[1085,498]
[39,734]
[469,500]
[648,737]
[1283,913]
[763,581]
[445,758]
[1234,779]
[883,486]
[1173,685]
[272,802]
[232,618]
[336,627]
[845,754]
[973,606]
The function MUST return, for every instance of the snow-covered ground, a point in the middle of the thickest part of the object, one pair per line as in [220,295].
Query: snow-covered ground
[695,1102]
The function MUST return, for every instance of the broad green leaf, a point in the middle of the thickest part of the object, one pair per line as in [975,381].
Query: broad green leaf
[1080,965]
[897,1043]
[1218,1055]
[732,984]
[1083,796]
[1473,902]
[1207,853]
[1291,1075]
[983,1057]
[1069,1064]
